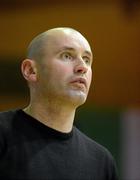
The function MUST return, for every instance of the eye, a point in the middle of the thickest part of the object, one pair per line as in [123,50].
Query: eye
[87,59]
[66,56]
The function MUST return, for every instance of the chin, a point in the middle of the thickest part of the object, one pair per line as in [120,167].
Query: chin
[78,98]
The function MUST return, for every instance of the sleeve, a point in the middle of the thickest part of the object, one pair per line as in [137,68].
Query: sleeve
[112,171]
[2,143]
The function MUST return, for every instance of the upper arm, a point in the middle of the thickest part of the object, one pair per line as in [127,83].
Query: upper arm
[2,142]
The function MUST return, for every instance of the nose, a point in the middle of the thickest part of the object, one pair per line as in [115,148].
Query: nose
[80,67]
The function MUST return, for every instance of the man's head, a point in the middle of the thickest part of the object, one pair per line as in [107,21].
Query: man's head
[58,67]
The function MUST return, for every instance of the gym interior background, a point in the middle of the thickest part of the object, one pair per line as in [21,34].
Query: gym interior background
[111,114]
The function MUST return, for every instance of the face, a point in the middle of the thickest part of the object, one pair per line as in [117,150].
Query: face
[65,71]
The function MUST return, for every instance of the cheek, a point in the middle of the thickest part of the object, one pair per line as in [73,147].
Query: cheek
[60,70]
[89,76]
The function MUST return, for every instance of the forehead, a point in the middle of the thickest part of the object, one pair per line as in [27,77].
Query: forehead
[61,39]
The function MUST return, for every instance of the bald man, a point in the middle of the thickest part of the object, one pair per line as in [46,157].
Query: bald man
[40,141]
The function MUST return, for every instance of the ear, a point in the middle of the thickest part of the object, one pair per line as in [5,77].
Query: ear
[29,70]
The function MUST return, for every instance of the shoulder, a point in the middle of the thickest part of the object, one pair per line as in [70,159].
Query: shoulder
[98,154]
[5,127]
[93,147]
[87,140]
[6,117]
[7,114]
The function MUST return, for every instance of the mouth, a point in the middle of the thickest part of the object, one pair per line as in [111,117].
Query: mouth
[79,82]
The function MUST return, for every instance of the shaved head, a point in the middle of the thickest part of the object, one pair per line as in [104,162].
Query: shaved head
[55,58]
[36,49]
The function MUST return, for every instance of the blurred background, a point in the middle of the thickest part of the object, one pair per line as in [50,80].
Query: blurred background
[111,114]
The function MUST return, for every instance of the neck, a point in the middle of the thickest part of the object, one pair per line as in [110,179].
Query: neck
[53,115]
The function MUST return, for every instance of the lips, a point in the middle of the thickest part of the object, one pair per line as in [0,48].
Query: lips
[79,81]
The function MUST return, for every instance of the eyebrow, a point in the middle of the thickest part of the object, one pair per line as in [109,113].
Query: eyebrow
[72,49]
